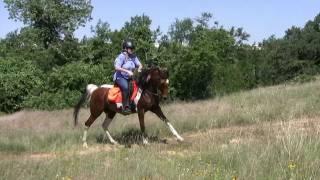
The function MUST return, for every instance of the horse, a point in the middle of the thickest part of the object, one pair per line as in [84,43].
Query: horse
[153,85]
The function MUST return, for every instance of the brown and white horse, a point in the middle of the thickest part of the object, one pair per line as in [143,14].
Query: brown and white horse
[153,84]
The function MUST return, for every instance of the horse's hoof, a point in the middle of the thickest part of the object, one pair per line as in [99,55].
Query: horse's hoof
[85,145]
[145,142]
[114,143]
[180,139]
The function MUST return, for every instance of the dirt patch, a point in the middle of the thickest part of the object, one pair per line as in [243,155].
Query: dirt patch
[97,149]
[79,152]
[11,117]
[42,156]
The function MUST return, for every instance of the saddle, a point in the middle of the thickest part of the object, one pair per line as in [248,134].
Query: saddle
[115,96]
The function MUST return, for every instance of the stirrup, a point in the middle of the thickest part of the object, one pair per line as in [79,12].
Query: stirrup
[126,110]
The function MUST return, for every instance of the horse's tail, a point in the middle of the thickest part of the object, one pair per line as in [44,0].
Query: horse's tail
[85,96]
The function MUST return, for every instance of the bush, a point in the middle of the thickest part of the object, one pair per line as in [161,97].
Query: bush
[65,85]
[18,79]
[55,100]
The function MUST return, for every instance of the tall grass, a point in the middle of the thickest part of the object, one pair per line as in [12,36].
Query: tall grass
[266,133]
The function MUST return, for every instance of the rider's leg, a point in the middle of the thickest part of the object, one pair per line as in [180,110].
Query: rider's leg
[123,84]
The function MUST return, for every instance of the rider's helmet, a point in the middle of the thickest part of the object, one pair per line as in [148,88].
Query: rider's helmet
[128,44]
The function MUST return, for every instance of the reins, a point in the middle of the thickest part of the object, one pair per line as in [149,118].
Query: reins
[155,94]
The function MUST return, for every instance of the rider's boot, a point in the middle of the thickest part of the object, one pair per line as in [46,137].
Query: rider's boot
[125,102]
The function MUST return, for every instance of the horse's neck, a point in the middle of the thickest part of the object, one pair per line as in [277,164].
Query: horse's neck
[151,88]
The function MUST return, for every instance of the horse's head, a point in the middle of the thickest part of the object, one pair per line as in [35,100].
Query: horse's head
[155,78]
[164,83]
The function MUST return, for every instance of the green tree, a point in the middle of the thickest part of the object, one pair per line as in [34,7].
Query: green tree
[19,79]
[139,29]
[99,48]
[54,19]
[65,84]
[180,31]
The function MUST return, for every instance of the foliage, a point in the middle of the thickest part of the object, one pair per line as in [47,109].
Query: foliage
[140,31]
[52,18]
[64,85]
[296,54]
[204,59]
[19,79]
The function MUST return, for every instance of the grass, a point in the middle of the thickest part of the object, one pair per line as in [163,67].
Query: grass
[266,133]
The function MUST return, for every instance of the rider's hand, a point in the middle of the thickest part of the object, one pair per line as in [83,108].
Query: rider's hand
[130,73]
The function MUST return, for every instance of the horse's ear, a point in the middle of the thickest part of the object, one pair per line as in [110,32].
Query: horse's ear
[148,77]
[165,73]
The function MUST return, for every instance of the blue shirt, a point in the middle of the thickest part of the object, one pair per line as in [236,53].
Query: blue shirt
[126,62]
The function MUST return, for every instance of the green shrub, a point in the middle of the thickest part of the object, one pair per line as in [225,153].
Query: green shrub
[65,85]
[18,79]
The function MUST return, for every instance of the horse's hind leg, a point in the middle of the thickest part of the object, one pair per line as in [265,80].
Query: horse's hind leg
[87,126]
[105,125]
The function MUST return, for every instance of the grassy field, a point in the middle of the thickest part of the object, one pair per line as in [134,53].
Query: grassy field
[266,133]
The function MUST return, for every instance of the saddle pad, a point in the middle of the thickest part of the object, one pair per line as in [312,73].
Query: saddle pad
[115,95]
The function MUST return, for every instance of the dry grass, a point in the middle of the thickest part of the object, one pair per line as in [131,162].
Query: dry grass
[266,133]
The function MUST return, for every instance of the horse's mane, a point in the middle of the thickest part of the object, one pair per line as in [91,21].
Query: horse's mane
[143,75]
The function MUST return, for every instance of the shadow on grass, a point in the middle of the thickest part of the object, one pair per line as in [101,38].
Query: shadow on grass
[129,137]
[12,147]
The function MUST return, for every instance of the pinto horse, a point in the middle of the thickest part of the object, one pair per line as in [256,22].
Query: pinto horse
[153,84]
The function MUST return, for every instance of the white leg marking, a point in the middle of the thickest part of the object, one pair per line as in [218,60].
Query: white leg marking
[145,141]
[110,138]
[105,126]
[174,132]
[84,138]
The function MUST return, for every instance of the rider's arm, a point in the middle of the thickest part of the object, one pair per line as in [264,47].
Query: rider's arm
[118,63]
[122,70]
[138,64]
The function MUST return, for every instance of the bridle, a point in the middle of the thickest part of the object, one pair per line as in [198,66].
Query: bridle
[155,94]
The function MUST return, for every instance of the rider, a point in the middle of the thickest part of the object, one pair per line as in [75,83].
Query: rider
[124,65]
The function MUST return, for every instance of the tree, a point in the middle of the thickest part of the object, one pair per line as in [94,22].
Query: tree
[181,30]
[204,19]
[296,54]
[19,79]
[138,29]
[54,19]
[100,47]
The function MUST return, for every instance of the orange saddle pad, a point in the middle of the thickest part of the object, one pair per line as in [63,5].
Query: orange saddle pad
[115,96]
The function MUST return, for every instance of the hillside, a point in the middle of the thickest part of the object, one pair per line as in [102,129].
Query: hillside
[265,133]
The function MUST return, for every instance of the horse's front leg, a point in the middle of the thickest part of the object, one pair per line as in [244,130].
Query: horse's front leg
[142,127]
[160,114]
